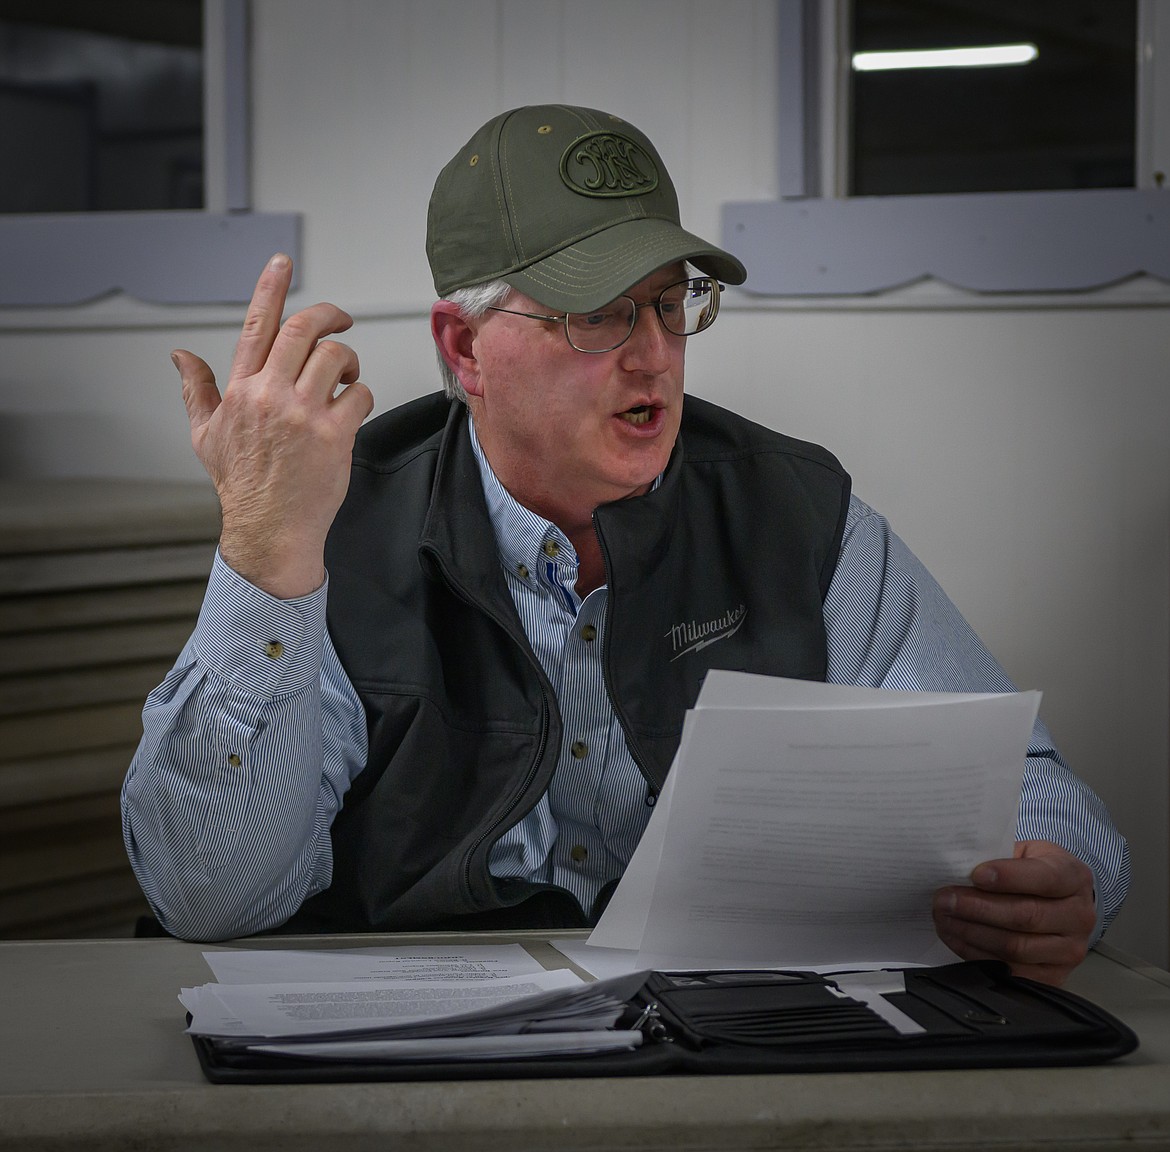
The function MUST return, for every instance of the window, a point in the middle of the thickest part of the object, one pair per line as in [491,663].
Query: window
[1045,182]
[101,106]
[1052,105]
[147,192]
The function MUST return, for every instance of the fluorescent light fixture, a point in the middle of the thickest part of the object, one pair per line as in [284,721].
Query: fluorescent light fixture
[993,56]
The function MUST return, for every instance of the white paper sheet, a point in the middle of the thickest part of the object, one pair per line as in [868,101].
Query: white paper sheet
[608,963]
[397,962]
[459,1047]
[292,1010]
[809,824]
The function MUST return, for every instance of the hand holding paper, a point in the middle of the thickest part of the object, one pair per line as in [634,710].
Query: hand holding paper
[1036,911]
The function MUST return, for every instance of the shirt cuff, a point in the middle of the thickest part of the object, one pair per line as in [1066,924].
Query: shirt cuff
[267,646]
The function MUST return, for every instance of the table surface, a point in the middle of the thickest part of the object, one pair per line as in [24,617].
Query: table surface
[94,1055]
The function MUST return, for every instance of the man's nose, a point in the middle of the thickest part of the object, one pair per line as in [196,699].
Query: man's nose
[648,348]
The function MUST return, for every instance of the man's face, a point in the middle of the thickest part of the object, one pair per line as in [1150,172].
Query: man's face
[566,430]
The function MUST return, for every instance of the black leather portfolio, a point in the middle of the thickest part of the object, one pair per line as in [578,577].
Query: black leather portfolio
[971,1014]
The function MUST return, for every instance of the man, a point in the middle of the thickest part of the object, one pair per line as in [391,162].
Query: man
[479,735]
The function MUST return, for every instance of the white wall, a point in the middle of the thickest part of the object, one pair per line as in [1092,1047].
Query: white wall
[1020,451]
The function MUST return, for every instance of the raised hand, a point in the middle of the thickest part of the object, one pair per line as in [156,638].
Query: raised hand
[277,443]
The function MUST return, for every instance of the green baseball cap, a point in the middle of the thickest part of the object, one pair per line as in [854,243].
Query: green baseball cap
[570,206]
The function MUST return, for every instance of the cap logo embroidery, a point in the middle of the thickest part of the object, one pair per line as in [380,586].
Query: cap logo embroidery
[608,164]
[692,635]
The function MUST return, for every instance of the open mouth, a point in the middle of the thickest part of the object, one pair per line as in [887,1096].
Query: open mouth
[639,414]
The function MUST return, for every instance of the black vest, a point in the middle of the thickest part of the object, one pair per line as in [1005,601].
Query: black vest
[725,565]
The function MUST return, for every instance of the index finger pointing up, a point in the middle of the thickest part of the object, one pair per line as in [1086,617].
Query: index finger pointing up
[262,321]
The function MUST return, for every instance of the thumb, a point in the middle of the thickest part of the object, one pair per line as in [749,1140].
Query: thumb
[200,395]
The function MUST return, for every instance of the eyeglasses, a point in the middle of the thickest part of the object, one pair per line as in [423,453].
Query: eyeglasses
[683,308]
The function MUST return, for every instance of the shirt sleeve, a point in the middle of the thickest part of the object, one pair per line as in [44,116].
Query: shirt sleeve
[890,625]
[249,746]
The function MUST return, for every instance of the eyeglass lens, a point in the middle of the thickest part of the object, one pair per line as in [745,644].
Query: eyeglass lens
[684,309]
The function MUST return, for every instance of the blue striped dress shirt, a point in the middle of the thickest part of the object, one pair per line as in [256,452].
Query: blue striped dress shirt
[251,742]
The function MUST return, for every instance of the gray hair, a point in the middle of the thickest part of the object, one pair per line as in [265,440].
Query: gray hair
[471,302]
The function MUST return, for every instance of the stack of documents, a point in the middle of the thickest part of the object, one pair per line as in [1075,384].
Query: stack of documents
[408,1003]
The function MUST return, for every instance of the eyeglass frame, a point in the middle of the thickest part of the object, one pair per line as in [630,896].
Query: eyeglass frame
[656,304]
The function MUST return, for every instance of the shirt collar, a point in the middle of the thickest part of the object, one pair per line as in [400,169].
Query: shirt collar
[532,548]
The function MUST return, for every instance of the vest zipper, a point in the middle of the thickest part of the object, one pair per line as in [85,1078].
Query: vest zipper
[611,597]
[528,778]
[546,712]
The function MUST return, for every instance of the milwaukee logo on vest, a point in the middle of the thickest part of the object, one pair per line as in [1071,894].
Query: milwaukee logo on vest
[696,634]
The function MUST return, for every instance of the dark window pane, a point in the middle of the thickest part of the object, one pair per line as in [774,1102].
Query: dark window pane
[1065,120]
[101,105]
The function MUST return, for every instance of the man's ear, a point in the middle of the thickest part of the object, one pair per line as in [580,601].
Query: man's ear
[454,337]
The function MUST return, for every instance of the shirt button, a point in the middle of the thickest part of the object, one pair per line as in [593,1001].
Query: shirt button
[551,548]
[274,649]
[578,853]
[579,749]
[588,633]
[234,760]
[521,571]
